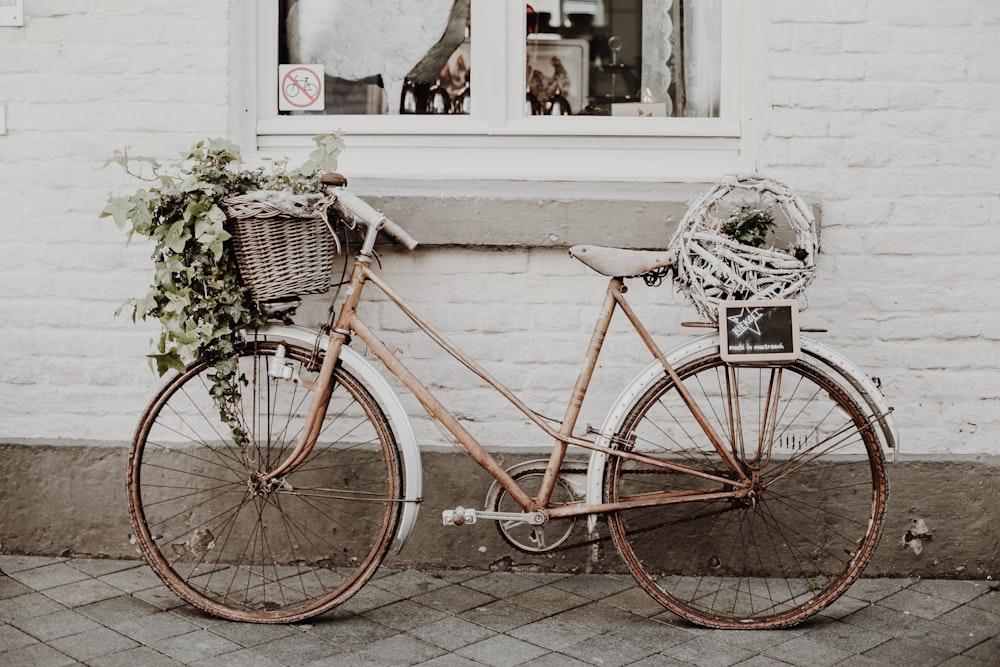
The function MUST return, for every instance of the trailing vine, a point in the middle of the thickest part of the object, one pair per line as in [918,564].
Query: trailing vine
[196,292]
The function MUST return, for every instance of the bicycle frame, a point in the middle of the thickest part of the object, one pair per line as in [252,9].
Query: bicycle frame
[349,324]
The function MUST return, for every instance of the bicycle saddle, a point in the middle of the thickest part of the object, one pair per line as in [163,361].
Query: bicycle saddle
[621,262]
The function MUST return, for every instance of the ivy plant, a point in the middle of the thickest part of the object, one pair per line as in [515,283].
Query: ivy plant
[196,293]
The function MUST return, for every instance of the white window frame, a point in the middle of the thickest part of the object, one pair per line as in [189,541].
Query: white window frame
[496,141]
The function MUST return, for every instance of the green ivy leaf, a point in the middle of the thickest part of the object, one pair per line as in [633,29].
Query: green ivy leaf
[195,292]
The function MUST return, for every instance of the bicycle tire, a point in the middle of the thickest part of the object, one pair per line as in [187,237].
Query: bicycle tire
[269,554]
[774,559]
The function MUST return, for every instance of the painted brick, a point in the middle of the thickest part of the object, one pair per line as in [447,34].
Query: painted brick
[884,111]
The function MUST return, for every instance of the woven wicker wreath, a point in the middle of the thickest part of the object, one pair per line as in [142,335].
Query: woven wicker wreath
[711,266]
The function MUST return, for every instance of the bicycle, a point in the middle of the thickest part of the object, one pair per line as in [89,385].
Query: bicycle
[738,495]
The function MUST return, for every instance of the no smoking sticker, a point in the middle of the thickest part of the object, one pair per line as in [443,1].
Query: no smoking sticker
[300,88]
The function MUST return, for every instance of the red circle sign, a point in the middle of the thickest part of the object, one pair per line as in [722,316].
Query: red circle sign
[301,87]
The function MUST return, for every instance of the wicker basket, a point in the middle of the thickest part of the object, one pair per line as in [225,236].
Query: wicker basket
[284,244]
[711,267]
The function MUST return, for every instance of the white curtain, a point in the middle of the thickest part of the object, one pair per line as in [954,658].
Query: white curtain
[702,57]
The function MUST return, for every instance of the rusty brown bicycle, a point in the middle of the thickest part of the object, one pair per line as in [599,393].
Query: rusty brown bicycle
[740,495]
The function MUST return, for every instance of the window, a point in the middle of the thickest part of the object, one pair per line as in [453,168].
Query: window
[543,90]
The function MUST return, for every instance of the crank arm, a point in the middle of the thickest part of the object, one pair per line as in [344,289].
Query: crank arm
[461,516]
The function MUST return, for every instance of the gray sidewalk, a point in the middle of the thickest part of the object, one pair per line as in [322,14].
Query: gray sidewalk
[68,611]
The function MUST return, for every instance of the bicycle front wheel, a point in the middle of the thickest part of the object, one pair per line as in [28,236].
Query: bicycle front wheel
[796,541]
[246,550]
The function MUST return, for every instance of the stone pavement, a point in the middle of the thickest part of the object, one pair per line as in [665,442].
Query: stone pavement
[70,611]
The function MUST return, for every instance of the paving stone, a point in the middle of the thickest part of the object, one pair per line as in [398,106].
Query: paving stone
[98,567]
[50,576]
[501,584]
[552,633]
[607,650]
[599,617]
[12,588]
[971,619]
[12,638]
[660,660]
[966,661]
[843,606]
[243,658]
[409,583]
[807,652]
[454,598]
[635,601]
[561,660]
[452,633]
[907,652]
[761,661]
[950,638]
[117,610]
[150,628]
[196,645]
[144,656]
[502,651]
[705,651]
[250,634]
[873,590]
[160,597]
[368,598]
[884,620]
[989,601]
[133,579]
[404,615]
[28,606]
[651,634]
[954,590]
[849,637]
[919,604]
[298,649]
[92,644]
[987,651]
[501,616]
[82,592]
[549,599]
[36,655]
[595,586]
[754,641]
[453,660]
[865,661]
[396,650]
[14,563]
[60,624]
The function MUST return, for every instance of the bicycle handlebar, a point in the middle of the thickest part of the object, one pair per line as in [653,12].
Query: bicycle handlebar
[369,216]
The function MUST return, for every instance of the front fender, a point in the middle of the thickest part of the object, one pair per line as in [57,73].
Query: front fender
[372,379]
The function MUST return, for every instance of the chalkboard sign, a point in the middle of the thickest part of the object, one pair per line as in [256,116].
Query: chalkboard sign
[759,331]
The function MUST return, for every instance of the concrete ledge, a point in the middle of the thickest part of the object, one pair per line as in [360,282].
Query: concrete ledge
[70,499]
[523,213]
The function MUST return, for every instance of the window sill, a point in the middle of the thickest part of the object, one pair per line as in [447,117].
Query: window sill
[532,214]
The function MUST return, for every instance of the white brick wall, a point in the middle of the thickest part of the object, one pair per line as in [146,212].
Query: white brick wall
[886,111]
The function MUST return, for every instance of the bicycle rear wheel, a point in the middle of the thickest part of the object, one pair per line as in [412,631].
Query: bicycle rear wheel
[248,551]
[788,550]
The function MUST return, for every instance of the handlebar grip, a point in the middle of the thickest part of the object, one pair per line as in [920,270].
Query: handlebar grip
[369,216]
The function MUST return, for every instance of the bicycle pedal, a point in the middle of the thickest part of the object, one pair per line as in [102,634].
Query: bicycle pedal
[459,516]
